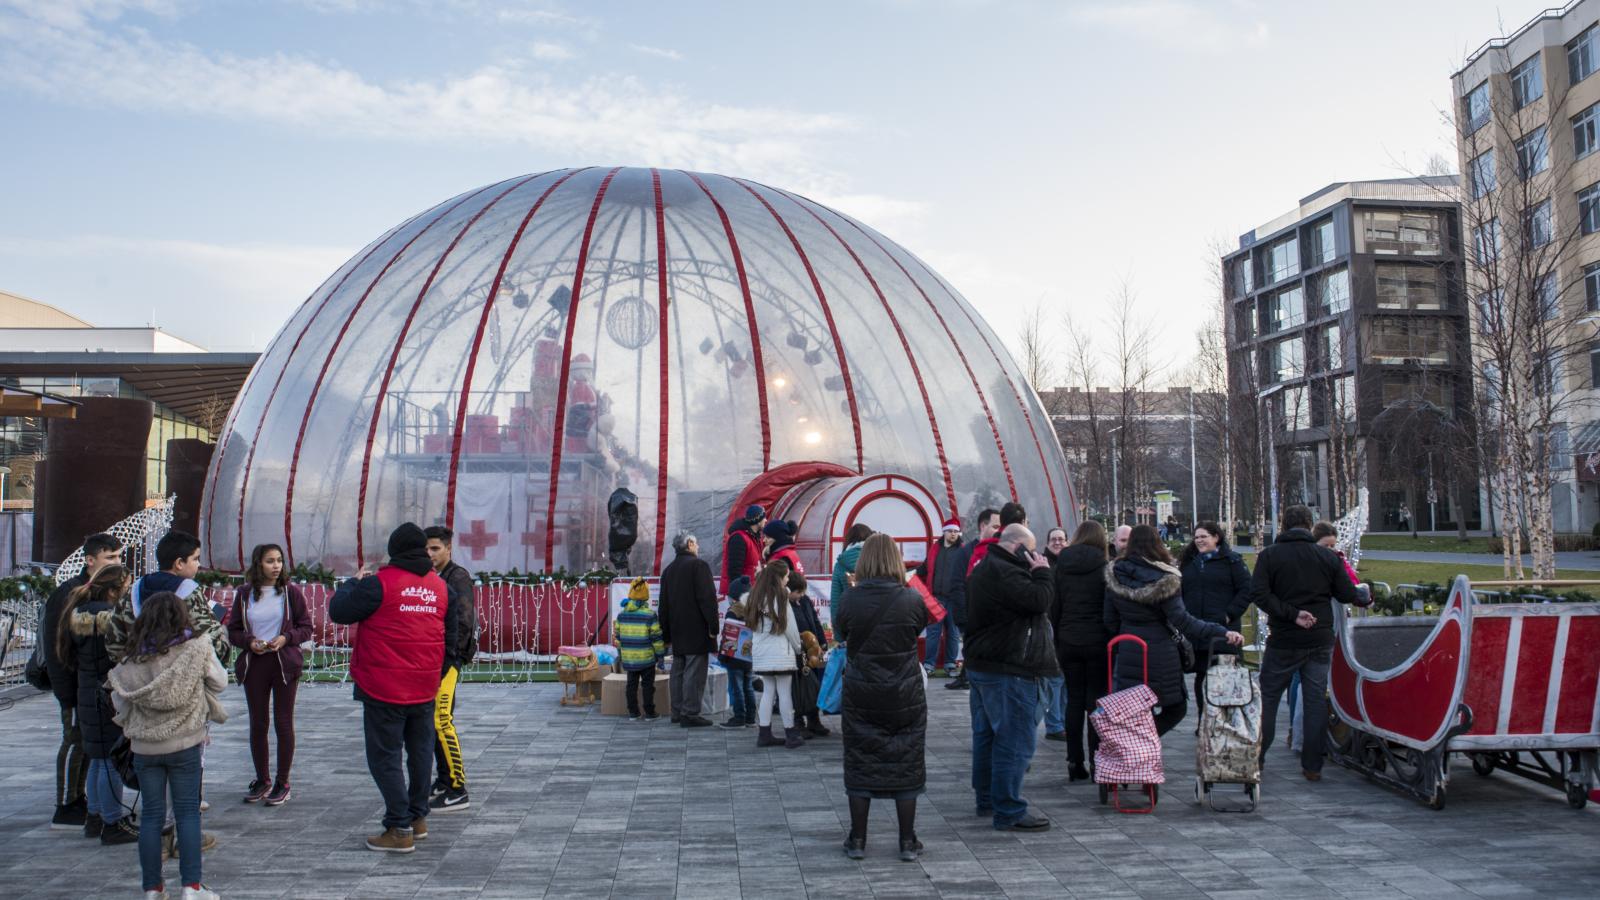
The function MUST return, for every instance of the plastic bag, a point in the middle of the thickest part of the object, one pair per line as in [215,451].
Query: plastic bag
[830,697]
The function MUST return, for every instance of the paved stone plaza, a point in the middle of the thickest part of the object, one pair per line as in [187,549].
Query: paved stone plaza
[569,803]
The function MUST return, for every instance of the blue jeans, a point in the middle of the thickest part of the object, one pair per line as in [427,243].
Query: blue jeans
[180,773]
[1005,711]
[1050,701]
[104,790]
[944,632]
[741,695]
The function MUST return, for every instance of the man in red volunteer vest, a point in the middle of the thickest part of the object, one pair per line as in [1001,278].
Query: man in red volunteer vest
[741,551]
[405,628]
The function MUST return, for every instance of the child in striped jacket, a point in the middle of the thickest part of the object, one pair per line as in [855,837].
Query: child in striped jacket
[641,647]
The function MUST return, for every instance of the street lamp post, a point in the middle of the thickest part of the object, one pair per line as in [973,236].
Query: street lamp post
[1116,488]
[1194,478]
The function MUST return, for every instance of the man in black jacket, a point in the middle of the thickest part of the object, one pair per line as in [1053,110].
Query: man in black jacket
[688,611]
[1295,583]
[99,550]
[449,792]
[1010,652]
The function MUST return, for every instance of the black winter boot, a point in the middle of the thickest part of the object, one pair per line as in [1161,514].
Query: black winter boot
[764,737]
[792,738]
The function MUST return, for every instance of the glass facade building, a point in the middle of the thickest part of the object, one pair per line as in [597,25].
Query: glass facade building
[1365,325]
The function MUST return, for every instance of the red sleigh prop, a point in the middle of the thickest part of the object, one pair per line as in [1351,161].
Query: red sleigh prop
[1515,685]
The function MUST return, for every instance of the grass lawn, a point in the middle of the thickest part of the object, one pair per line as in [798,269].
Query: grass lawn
[1425,543]
[1396,573]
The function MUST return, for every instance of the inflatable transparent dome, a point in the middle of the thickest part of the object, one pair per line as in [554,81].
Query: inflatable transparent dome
[569,368]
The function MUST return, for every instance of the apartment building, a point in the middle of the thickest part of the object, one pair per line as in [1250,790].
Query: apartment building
[1528,126]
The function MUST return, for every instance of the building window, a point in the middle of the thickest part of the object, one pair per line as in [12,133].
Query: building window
[1591,287]
[1586,132]
[1589,209]
[1240,277]
[1490,304]
[1408,287]
[1536,224]
[1486,242]
[1288,308]
[1288,359]
[1344,399]
[1475,106]
[1527,81]
[1480,174]
[1293,411]
[1333,291]
[1548,297]
[1594,365]
[1395,341]
[1333,347]
[1322,249]
[1246,321]
[1394,232]
[1580,55]
[1533,152]
[1283,259]
[1547,373]
[1434,388]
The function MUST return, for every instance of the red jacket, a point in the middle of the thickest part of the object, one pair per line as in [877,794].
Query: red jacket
[788,553]
[979,551]
[399,649]
[741,538]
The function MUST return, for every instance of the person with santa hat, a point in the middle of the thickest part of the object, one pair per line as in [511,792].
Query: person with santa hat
[944,572]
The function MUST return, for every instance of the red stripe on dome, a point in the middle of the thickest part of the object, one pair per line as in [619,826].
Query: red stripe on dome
[477,344]
[255,439]
[566,371]
[916,370]
[827,314]
[661,333]
[1026,414]
[750,320]
[322,373]
[977,387]
[394,357]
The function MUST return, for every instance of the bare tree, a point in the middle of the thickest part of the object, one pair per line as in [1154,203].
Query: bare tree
[1038,349]
[1524,225]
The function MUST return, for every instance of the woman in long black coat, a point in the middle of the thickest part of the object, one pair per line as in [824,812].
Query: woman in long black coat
[1079,620]
[81,644]
[1216,588]
[885,708]
[1144,594]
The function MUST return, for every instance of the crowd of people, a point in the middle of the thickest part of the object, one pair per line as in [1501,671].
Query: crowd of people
[137,665]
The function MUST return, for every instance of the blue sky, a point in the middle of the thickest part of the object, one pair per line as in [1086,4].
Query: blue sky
[204,164]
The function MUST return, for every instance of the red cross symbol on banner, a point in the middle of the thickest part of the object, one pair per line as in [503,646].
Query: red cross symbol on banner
[478,539]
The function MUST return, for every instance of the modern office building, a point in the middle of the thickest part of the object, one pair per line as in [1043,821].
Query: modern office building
[1347,337]
[46,350]
[1528,127]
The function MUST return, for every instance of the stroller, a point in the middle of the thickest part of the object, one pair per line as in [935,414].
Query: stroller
[1229,748]
[1130,750]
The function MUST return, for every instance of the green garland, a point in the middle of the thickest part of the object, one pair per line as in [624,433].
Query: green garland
[304,574]
[24,587]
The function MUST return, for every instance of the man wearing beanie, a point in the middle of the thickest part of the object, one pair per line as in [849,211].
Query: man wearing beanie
[402,650]
[741,551]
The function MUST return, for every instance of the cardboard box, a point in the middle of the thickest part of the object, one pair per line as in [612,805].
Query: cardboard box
[614,699]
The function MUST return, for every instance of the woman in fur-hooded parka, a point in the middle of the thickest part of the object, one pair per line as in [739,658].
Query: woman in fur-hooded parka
[89,623]
[1142,596]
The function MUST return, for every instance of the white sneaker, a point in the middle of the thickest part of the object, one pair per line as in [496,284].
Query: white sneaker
[204,893]
[156,895]
[204,806]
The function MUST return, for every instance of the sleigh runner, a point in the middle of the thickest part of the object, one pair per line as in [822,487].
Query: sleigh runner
[1516,686]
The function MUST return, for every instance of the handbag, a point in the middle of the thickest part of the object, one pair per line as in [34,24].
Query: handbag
[35,672]
[1186,657]
[830,696]
[803,689]
[122,761]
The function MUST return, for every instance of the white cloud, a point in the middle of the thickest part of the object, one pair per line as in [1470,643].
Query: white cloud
[548,51]
[221,296]
[77,13]
[603,117]
[662,52]
[1191,24]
